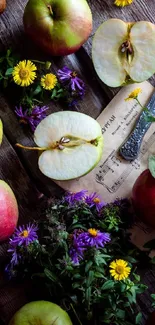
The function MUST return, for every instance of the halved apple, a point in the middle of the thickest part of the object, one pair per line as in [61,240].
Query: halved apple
[1,131]
[71,142]
[124,52]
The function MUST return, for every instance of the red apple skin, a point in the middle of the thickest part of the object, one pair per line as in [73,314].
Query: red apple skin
[62,32]
[151,319]
[8,211]
[143,197]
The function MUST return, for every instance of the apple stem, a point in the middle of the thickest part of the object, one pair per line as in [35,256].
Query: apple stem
[30,148]
[50,9]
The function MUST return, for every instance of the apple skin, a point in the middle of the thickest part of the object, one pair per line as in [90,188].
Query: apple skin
[151,319]
[41,312]
[59,27]
[143,197]
[1,131]
[8,211]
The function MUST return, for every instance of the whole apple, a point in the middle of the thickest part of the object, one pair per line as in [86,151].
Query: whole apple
[143,197]
[8,211]
[151,319]
[59,27]
[41,312]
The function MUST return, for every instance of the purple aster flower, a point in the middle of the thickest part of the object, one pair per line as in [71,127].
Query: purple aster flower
[10,272]
[24,236]
[76,252]
[70,78]
[34,118]
[71,198]
[94,200]
[93,238]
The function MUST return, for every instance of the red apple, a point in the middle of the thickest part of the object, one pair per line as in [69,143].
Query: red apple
[8,211]
[143,197]
[151,319]
[59,27]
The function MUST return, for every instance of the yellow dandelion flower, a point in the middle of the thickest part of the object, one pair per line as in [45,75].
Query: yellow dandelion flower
[49,81]
[134,94]
[123,3]
[119,269]
[24,73]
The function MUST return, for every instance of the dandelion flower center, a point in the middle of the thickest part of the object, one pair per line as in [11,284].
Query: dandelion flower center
[119,269]
[134,94]
[93,232]
[24,73]
[96,200]
[122,3]
[24,233]
[49,81]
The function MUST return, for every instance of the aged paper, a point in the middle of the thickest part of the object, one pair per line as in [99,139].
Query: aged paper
[114,177]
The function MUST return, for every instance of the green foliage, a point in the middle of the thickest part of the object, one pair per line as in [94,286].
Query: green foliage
[87,287]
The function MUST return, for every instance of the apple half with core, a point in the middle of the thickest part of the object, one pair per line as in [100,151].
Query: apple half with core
[1,131]
[8,211]
[59,27]
[41,313]
[123,52]
[71,145]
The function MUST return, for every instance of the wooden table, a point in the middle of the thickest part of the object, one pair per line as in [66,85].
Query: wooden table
[18,167]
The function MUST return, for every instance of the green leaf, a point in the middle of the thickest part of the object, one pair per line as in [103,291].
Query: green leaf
[76,285]
[50,275]
[88,295]
[88,266]
[137,277]
[153,296]
[120,313]
[108,285]
[131,259]
[90,278]
[151,165]
[9,72]
[150,244]
[139,318]
[54,93]
[37,90]
[99,275]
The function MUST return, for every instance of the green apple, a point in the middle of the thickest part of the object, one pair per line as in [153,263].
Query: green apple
[71,145]
[1,131]
[124,52]
[59,27]
[41,313]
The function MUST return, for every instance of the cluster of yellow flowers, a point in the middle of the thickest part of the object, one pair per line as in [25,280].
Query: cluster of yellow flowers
[123,3]
[24,74]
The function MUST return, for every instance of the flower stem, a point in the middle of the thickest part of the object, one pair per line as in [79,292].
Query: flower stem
[76,314]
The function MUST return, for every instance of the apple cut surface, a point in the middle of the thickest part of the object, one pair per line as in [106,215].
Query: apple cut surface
[108,38]
[142,37]
[124,52]
[79,155]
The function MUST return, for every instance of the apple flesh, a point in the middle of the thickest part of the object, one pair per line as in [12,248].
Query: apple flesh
[59,27]
[1,131]
[8,211]
[143,197]
[123,52]
[70,143]
[41,312]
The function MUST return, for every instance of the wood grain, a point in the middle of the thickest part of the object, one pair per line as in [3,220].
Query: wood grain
[19,168]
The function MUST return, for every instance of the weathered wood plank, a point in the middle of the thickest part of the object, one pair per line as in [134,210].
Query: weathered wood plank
[29,202]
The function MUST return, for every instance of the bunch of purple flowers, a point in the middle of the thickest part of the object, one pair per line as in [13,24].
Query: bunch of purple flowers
[22,237]
[92,200]
[81,242]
